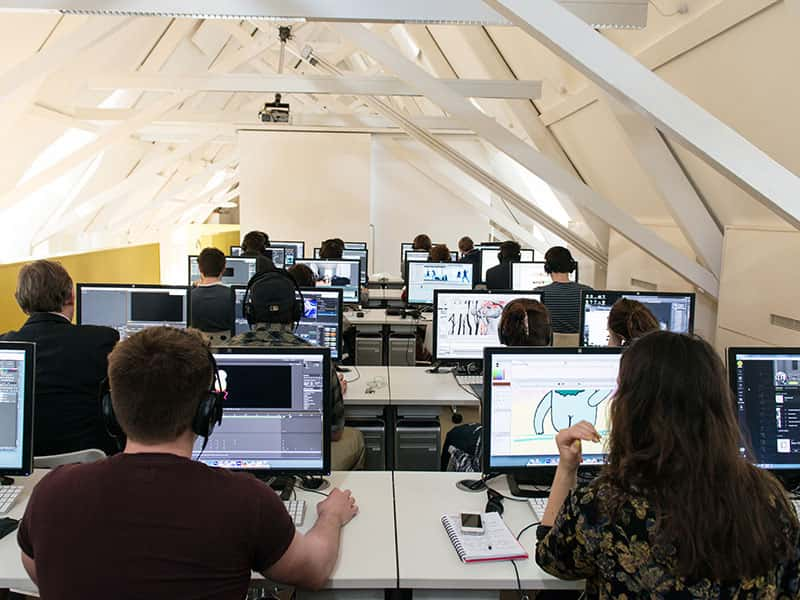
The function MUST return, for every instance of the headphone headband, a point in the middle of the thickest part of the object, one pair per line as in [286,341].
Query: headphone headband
[248,307]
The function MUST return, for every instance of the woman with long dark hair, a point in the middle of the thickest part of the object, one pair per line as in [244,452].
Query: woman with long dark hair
[677,511]
[628,320]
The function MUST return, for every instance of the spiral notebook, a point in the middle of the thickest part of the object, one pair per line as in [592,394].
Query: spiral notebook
[496,542]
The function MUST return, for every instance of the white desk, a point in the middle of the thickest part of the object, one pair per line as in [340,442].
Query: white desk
[372,316]
[387,294]
[427,559]
[12,573]
[414,386]
[362,379]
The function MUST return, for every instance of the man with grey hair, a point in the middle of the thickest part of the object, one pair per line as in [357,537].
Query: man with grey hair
[71,361]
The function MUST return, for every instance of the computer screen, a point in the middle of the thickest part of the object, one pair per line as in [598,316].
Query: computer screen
[345,274]
[530,275]
[464,323]
[355,245]
[131,308]
[275,413]
[361,255]
[238,270]
[423,278]
[322,317]
[533,393]
[766,385]
[490,258]
[294,250]
[236,251]
[17,367]
[675,312]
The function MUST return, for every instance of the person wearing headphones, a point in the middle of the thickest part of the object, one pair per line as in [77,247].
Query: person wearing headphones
[524,322]
[155,523]
[563,297]
[499,277]
[273,310]
[255,245]
[629,320]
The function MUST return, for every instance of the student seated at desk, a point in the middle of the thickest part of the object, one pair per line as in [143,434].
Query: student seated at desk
[440,253]
[629,320]
[153,523]
[332,249]
[422,242]
[303,275]
[468,252]
[676,512]
[71,361]
[272,311]
[524,322]
[563,297]
[499,276]
[254,245]
[212,301]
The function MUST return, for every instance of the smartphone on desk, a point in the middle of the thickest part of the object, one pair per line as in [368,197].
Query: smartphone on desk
[471,524]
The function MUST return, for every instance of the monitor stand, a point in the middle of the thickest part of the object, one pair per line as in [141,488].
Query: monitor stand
[4,480]
[536,485]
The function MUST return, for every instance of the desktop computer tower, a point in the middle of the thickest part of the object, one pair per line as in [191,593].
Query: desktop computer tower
[417,444]
[375,443]
[369,349]
[402,350]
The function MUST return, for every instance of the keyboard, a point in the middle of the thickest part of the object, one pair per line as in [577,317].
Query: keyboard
[296,510]
[8,494]
[537,507]
[470,379]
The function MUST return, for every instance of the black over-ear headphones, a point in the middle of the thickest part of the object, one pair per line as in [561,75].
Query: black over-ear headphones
[548,267]
[206,418]
[298,302]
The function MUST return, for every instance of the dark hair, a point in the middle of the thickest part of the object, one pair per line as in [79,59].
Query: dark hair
[332,249]
[525,322]
[465,244]
[158,377]
[255,242]
[422,242]
[675,440]
[560,260]
[211,262]
[631,319]
[303,275]
[440,253]
[510,252]
[43,286]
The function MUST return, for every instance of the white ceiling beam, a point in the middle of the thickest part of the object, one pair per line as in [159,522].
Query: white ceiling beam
[599,13]
[537,163]
[311,84]
[663,106]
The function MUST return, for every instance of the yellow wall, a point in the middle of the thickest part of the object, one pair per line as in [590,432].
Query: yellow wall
[222,240]
[134,264]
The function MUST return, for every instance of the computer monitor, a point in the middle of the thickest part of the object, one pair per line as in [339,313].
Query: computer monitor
[345,274]
[283,254]
[490,258]
[675,312]
[423,278]
[355,245]
[533,393]
[361,255]
[130,308]
[530,275]
[766,386]
[236,251]
[238,270]
[17,368]
[294,250]
[276,412]
[417,255]
[464,323]
[321,324]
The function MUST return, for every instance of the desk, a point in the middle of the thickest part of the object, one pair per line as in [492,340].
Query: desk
[12,573]
[414,386]
[427,559]
[360,379]
[372,316]
[376,323]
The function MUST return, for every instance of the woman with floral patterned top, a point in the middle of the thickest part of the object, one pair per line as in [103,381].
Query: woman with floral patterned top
[677,512]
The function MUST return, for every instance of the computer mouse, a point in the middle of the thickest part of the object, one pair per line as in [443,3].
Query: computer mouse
[360,314]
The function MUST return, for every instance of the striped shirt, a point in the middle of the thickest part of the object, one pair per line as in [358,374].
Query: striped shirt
[563,300]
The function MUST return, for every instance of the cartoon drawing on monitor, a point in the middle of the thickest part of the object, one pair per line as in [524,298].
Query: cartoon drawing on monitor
[568,407]
[475,317]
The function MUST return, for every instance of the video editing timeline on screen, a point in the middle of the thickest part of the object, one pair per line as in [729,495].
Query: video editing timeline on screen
[534,396]
[273,413]
[12,389]
[425,277]
[238,271]
[132,309]
[768,399]
[343,274]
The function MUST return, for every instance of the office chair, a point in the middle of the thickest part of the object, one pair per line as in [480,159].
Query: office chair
[69,458]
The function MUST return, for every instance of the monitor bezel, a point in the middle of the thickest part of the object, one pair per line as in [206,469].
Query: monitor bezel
[79,288]
[408,266]
[327,402]
[584,293]
[197,256]
[436,293]
[340,260]
[29,348]
[539,262]
[486,411]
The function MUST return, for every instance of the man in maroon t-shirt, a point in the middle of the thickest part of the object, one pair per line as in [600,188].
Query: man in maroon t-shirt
[152,523]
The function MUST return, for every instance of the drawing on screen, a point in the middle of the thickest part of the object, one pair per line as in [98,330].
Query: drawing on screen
[310,309]
[441,274]
[567,407]
[475,317]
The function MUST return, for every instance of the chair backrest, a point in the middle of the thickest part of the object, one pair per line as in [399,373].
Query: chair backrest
[68,458]
[566,340]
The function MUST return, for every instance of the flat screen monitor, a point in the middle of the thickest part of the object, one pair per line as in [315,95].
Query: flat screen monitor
[766,386]
[238,271]
[129,308]
[345,274]
[361,255]
[276,413]
[321,324]
[355,245]
[675,312]
[490,258]
[17,368]
[531,275]
[236,251]
[530,394]
[294,250]
[464,323]
[424,277]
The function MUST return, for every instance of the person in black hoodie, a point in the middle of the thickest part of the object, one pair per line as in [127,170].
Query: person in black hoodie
[254,245]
